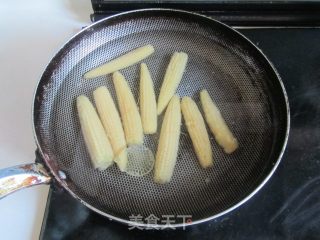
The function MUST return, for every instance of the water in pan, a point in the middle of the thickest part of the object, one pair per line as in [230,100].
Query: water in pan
[229,75]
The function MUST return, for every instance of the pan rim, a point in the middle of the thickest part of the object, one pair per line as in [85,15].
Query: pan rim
[174,225]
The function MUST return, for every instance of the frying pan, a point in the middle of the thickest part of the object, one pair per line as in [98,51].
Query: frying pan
[241,80]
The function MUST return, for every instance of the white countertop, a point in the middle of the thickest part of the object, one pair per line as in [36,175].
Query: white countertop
[31,32]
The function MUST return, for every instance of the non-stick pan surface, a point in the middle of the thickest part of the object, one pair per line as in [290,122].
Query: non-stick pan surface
[236,74]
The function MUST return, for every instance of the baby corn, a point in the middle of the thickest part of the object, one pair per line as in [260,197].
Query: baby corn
[111,122]
[121,62]
[217,125]
[171,79]
[166,156]
[95,137]
[197,131]
[148,105]
[129,111]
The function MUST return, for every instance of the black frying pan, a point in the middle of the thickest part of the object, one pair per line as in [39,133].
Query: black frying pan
[243,82]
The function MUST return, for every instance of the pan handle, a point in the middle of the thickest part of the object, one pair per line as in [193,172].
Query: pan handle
[22,176]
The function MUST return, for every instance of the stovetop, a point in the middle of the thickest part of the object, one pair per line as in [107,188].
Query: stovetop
[287,207]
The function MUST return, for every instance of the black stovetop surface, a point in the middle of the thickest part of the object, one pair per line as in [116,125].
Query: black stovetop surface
[287,207]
